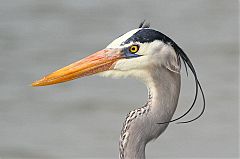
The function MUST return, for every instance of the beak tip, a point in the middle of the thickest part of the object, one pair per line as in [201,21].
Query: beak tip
[35,84]
[38,83]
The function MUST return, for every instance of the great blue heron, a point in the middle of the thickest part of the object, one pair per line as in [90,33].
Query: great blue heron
[155,59]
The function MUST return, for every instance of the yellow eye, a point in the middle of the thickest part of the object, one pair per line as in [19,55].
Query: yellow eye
[134,48]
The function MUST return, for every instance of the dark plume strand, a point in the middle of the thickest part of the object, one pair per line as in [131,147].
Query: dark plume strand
[185,58]
[203,109]
[198,85]
[185,65]
[194,101]
[143,24]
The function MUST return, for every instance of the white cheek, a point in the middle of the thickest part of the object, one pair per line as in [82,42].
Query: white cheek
[131,64]
[142,75]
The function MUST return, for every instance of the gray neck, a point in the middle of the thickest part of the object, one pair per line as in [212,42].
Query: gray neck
[140,125]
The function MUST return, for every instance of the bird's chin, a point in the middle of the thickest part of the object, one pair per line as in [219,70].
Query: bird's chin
[116,74]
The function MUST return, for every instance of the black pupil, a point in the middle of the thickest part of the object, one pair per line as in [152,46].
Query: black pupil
[134,48]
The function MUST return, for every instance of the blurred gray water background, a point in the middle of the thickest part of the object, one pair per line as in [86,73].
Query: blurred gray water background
[83,118]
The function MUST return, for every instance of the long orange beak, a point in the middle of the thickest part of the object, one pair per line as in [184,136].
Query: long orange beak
[98,62]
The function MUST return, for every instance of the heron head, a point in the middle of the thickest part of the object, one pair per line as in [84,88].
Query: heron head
[143,49]
[134,53]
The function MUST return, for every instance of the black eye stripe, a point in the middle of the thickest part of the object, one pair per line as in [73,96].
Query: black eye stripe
[147,36]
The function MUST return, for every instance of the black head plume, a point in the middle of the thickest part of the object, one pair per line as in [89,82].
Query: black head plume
[187,63]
